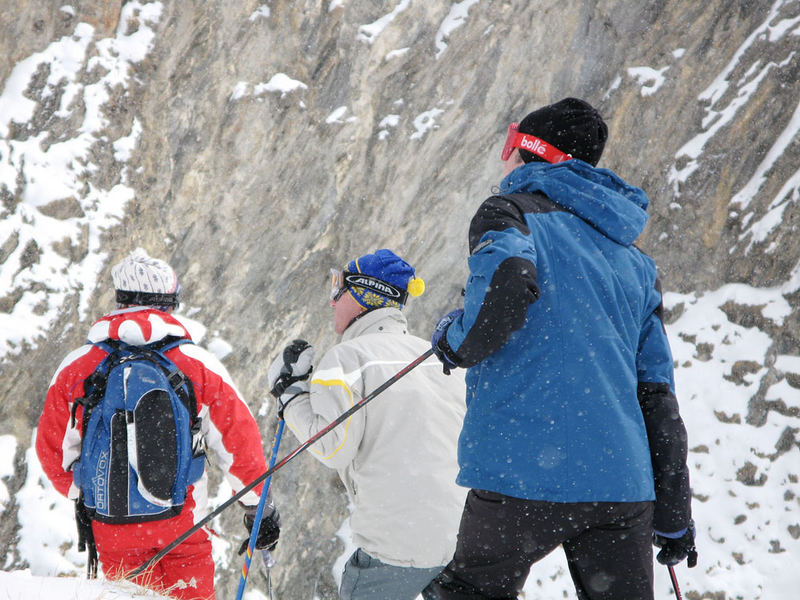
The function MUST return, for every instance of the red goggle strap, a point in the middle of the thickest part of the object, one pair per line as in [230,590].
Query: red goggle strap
[532,144]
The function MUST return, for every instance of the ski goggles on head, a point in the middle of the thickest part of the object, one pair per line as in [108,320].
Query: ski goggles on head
[155,299]
[533,144]
[338,286]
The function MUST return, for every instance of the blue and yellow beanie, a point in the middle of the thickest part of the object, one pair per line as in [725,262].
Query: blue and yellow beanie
[382,279]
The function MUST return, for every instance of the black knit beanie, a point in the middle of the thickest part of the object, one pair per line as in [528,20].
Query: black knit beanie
[571,125]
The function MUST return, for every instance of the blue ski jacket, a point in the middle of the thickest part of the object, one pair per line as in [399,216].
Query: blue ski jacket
[570,391]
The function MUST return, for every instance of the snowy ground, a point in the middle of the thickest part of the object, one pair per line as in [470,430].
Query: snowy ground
[21,585]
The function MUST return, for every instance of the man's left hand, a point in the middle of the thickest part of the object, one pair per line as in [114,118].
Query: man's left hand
[269,529]
[288,374]
[674,550]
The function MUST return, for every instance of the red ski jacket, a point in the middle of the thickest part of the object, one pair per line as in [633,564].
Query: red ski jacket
[230,432]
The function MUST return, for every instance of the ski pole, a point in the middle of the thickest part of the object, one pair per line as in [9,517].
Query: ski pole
[674,582]
[248,557]
[340,419]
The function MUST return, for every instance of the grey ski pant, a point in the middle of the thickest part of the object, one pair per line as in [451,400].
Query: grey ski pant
[367,578]
[608,546]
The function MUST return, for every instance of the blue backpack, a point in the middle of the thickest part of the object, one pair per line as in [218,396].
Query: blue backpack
[140,446]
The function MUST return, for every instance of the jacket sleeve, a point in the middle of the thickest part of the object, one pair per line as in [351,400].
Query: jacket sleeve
[336,386]
[666,432]
[501,286]
[58,440]
[230,431]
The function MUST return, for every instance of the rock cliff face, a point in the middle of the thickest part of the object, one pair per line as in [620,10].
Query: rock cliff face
[256,144]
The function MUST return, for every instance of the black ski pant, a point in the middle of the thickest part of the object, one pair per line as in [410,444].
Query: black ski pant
[608,547]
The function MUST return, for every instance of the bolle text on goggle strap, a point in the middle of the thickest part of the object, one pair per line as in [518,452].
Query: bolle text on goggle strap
[375,285]
[532,144]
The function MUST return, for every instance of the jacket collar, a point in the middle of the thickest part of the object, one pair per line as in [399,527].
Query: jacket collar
[380,320]
[137,325]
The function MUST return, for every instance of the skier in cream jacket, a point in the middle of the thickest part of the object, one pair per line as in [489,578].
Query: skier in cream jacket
[397,455]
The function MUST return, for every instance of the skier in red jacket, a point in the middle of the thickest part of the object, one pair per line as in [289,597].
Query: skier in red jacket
[147,293]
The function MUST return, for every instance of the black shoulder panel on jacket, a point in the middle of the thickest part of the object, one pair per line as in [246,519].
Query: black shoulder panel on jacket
[499,213]
[511,292]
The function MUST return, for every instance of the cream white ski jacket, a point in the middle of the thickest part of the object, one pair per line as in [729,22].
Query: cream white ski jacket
[397,455]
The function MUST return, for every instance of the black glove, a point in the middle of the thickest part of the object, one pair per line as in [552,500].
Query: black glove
[268,531]
[674,550]
[288,374]
[439,343]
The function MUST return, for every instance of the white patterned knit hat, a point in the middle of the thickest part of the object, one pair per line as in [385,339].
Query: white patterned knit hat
[142,280]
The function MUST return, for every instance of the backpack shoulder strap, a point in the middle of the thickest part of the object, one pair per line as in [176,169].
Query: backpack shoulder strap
[177,379]
[168,343]
[94,386]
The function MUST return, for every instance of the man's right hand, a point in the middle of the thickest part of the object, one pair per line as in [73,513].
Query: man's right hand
[438,341]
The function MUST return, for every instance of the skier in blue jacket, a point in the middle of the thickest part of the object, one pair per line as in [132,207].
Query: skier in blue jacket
[572,434]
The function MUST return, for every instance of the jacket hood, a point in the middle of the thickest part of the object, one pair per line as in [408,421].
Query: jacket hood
[598,196]
[137,326]
[380,320]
